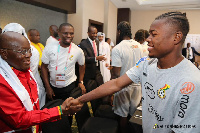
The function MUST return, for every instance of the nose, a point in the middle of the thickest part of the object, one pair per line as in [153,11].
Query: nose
[148,40]
[68,35]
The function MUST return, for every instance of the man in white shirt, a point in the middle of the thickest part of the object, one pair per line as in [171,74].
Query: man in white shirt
[59,61]
[104,49]
[53,30]
[124,56]
[141,36]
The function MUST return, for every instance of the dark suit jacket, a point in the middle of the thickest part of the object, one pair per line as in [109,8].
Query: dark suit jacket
[91,68]
[184,52]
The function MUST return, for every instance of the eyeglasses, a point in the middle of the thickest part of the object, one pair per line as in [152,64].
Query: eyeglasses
[22,51]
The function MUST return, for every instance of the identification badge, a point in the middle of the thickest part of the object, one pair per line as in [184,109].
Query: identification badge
[60,79]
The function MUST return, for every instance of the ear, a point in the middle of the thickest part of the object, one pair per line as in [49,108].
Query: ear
[4,54]
[59,33]
[119,32]
[178,37]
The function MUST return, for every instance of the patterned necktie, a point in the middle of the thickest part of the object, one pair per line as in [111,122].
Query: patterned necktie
[94,48]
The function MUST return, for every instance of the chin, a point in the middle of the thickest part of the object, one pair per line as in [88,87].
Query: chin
[151,56]
[67,43]
[25,68]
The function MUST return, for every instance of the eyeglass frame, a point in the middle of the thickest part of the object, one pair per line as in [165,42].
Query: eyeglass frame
[20,51]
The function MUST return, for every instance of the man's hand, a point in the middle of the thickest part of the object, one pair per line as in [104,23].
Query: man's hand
[82,88]
[50,93]
[101,58]
[70,110]
[74,102]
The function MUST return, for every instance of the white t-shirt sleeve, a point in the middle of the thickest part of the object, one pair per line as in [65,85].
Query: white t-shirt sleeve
[136,72]
[187,118]
[81,59]
[116,58]
[45,55]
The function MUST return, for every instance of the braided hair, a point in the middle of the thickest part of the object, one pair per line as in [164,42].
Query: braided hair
[125,30]
[177,19]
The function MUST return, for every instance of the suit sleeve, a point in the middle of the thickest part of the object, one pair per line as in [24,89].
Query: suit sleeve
[87,51]
[196,51]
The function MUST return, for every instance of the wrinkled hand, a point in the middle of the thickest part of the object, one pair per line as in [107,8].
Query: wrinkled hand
[50,93]
[101,58]
[70,110]
[82,88]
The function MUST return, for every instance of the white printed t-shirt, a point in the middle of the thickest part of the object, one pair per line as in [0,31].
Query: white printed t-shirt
[170,97]
[125,55]
[49,57]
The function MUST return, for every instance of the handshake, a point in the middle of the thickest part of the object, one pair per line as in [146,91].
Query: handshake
[70,106]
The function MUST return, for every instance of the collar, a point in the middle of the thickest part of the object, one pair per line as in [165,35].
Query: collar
[18,72]
[35,43]
[91,40]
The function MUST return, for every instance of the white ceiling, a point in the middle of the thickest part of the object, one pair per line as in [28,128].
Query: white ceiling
[158,4]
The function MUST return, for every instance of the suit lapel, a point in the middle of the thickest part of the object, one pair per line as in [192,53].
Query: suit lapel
[90,46]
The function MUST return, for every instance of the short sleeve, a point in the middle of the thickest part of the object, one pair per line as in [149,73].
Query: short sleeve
[45,55]
[187,118]
[136,72]
[81,57]
[116,59]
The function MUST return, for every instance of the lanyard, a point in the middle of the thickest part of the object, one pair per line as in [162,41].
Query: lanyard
[67,56]
[36,48]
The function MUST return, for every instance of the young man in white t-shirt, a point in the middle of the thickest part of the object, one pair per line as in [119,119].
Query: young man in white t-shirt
[170,82]
[141,36]
[58,62]
[124,56]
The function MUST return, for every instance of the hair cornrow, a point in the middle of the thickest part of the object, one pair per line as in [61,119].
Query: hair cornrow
[177,19]
[125,29]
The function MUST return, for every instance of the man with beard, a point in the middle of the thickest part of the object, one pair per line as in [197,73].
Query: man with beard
[53,30]
[59,60]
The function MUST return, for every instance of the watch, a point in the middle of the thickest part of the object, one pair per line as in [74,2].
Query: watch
[81,82]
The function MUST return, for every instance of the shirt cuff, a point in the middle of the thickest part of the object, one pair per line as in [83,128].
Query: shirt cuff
[56,112]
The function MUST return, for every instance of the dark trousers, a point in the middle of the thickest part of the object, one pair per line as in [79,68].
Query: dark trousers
[72,91]
[91,84]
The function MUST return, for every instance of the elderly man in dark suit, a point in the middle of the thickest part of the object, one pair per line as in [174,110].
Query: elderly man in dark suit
[189,52]
[92,77]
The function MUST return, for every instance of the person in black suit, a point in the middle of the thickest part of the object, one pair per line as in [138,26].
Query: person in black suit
[92,77]
[189,52]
